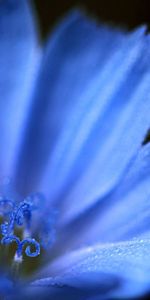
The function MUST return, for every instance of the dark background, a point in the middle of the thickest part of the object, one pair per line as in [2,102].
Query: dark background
[124,13]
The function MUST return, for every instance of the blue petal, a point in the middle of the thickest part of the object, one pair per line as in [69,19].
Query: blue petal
[121,215]
[103,146]
[6,286]
[122,266]
[52,293]
[128,209]
[99,139]
[18,56]
[76,44]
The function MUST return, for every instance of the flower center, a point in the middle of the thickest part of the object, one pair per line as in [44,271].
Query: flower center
[18,246]
[15,218]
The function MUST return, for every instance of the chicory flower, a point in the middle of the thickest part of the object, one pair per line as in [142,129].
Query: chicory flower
[74,116]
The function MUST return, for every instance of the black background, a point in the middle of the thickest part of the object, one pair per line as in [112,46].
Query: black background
[128,13]
[124,13]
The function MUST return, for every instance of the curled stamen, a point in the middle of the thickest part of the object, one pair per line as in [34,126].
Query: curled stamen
[7,228]
[4,228]
[17,215]
[6,240]
[34,243]
[23,212]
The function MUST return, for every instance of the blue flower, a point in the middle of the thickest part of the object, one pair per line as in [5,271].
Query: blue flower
[74,169]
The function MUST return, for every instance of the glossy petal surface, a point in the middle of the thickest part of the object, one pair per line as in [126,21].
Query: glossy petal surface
[118,269]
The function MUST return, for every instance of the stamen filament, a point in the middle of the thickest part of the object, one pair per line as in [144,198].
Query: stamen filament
[17,216]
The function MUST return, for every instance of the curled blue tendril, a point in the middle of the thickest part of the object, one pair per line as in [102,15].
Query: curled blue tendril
[6,240]
[17,216]
[7,227]
[19,213]
[34,243]
[10,239]
[23,212]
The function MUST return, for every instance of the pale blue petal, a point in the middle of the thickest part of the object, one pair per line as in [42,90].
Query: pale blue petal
[74,56]
[18,57]
[95,146]
[113,142]
[76,156]
[128,210]
[95,137]
[123,266]
[122,214]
